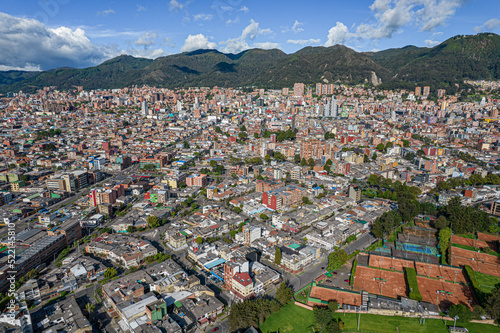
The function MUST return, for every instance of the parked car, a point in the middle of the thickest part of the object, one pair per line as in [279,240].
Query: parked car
[335,273]
[346,281]
[215,329]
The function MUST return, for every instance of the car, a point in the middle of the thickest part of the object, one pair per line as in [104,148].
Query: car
[328,281]
[348,274]
[215,329]
[322,267]
[346,281]
[335,273]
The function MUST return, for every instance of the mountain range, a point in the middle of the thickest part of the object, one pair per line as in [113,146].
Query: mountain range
[454,60]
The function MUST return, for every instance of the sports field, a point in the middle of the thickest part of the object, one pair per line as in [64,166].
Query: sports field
[294,319]
[291,318]
[441,272]
[486,282]
[390,263]
[443,293]
[468,241]
[392,284]
[480,262]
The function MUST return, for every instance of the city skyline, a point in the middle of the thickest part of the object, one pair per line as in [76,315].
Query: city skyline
[41,35]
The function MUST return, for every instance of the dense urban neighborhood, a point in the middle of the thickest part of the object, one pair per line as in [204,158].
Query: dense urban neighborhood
[305,209]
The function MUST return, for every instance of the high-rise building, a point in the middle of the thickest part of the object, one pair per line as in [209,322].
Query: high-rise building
[298,89]
[144,108]
[427,90]
[355,192]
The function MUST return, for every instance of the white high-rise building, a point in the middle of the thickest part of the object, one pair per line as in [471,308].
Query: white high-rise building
[144,109]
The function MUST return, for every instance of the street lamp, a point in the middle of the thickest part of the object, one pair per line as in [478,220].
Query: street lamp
[455,323]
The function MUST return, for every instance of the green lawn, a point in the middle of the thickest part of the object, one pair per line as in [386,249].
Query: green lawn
[291,318]
[486,282]
[294,319]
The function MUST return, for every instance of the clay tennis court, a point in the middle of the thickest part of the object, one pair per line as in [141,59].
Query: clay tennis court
[480,262]
[469,242]
[492,240]
[487,238]
[389,263]
[443,272]
[460,293]
[341,297]
[367,279]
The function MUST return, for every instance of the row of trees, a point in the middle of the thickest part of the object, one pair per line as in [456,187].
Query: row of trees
[254,312]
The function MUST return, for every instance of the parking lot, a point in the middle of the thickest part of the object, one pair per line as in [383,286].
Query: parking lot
[338,280]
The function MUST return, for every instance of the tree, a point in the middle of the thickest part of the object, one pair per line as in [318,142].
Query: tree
[333,306]
[305,201]
[243,128]
[327,168]
[296,158]
[389,145]
[336,259]
[153,221]
[277,256]
[440,222]
[303,162]
[33,274]
[110,272]
[263,216]
[380,147]
[267,158]
[186,145]
[492,306]
[323,316]
[444,242]
[462,311]
[199,240]
[406,143]
[311,162]
[130,229]
[90,307]
[213,163]
[374,156]
[284,294]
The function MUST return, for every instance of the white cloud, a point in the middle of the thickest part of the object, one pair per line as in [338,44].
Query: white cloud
[203,17]
[234,45]
[144,53]
[236,20]
[28,68]
[437,33]
[296,27]
[391,16]
[196,42]
[175,5]
[141,8]
[304,41]
[30,45]
[27,42]
[244,9]
[252,31]
[488,25]
[267,45]
[106,12]
[431,43]
[146,39]
[337,35]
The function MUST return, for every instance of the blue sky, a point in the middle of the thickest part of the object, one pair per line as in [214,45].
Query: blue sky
[44,34]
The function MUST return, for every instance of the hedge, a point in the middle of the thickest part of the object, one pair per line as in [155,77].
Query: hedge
[353,271]
[411,279]
[469,273]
